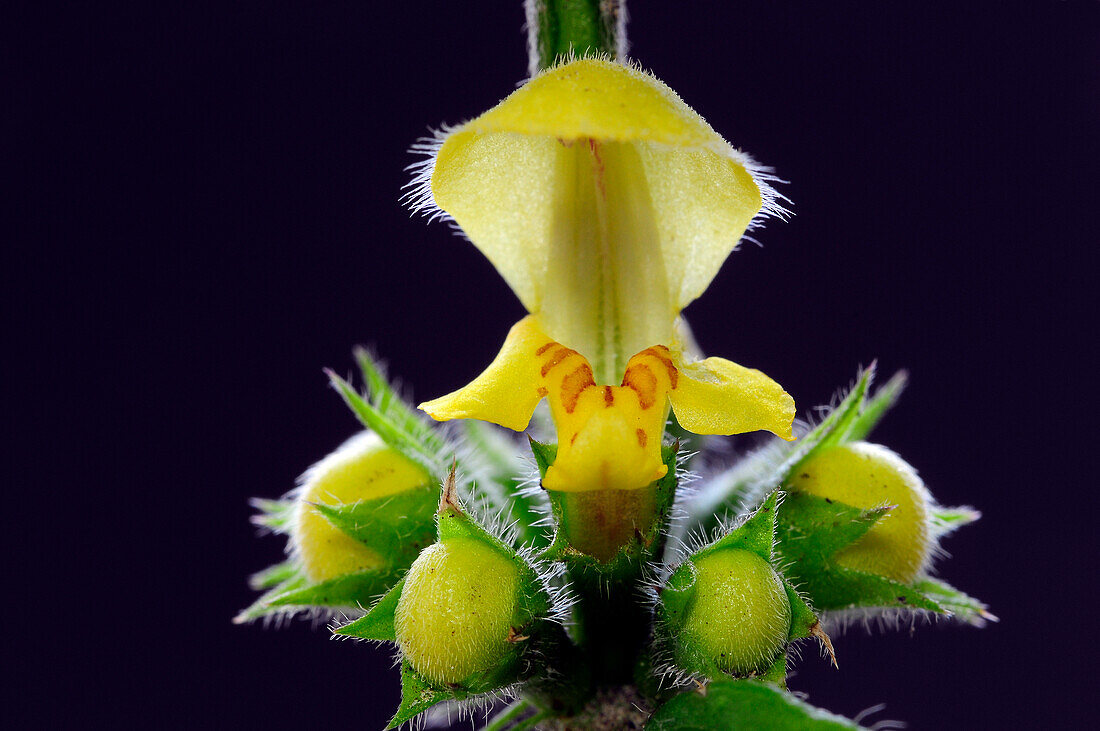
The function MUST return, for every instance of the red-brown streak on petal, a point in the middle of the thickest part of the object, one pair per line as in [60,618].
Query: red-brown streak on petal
[640,377]
[642,438]
[545,348]
[573,438]
[574,384]
[595,148]
[557,357]
[608,396]
[660,352]
[541,391]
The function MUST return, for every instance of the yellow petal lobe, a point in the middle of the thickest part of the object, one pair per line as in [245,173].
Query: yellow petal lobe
[609,437]
[506,392]
[715,396]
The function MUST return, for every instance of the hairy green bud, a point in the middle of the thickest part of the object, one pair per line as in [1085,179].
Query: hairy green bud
[362,469]
[454,617]
[739,618]
[865,476]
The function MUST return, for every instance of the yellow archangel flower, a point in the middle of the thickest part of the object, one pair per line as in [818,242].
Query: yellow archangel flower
[608,205]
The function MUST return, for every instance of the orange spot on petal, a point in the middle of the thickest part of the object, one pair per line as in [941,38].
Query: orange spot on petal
[640,378]
[573,384]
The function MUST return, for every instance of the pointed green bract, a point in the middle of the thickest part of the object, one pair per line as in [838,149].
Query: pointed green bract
[803,619]
[272,576]
[948,520]
[726,705]
[810,531]
[965,608]
[274,515]
[875,407]
[376,624]
[353,591]
[544,455]
[756,533]
[415,444]
[382,394]
[812,526]
[417,696]
[834,428]
[396,526]
[296,593]
[262,607]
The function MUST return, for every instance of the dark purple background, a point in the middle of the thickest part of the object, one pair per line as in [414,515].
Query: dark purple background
[206,215]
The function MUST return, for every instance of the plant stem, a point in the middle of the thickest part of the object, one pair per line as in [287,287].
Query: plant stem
[532,721]
[502,719]
[562,28]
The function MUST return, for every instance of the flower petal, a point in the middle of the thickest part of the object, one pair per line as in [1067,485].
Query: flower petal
[506,392]
[715,396]
[604,201]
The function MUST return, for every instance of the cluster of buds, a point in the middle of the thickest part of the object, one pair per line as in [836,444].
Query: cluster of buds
[607,205]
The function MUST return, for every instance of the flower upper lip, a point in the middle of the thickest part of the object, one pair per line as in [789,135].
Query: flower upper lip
[607,205]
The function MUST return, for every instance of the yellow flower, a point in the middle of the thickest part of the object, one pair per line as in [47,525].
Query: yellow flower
[608,205]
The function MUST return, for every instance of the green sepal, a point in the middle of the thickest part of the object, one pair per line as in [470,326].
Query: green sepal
[835,588]
[388,418]
[832,429]
[355,591]
[803,619]
[965,608]
[812,526]
[396,526]
[875,407]
[756,534]
[545,454]
[810,531]
[776,674]
[417,696]
[274,515]
[948,520]
[726,705]
[677,596]
[378,623]
[262,606]
[272,576]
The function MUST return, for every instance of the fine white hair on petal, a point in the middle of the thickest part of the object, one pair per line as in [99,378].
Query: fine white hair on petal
[418,191]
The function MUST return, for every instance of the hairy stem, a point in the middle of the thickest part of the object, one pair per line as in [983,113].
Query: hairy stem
[562,28]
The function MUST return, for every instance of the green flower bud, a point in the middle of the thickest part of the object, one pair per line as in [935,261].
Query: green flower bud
[738,617]
[363,468]
[865,476]
[454,618]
